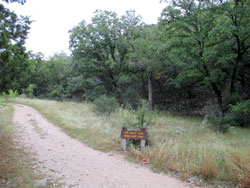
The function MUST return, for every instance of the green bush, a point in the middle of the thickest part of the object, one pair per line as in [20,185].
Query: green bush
[12,94]
[239,114]
[218,122]
[140,118]
[4,98]
[29,91]
[105,104]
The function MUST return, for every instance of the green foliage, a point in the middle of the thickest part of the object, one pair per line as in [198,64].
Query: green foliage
[100,52]
[47,78]
[13,58]
[209,44]
[199,51]
[237,119]
[12,94]
[5,97]
[218,122]
[144,116]
[140,118]
[241,108]
[234,99]
[85,89]
[105,105]
[240,114]
[29,91]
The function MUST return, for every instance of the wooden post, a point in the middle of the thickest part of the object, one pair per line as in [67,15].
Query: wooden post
[143,144]
[124,143]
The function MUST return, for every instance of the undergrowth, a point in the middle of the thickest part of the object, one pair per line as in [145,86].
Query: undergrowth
[180,145]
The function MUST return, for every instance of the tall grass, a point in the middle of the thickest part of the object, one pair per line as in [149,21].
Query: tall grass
[194,151]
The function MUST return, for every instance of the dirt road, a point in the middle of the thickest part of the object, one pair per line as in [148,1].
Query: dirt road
[74,164]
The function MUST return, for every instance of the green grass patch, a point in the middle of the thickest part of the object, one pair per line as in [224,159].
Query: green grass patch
[177,144]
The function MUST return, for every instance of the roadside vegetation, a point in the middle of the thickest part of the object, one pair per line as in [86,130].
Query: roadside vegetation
[177,145]
[16,169]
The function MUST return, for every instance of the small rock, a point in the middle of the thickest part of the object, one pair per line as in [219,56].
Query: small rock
[23,95]
[41,183]
[204,121]
[180,130]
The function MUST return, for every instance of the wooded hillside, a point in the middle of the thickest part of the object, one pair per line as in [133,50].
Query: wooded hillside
[196,60]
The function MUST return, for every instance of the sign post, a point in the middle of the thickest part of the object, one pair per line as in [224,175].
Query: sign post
[139,135]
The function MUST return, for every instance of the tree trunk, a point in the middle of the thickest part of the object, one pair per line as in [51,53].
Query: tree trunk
[235,70]
[150,95]
[219,97]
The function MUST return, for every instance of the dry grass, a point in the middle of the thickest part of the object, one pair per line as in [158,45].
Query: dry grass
[196,151]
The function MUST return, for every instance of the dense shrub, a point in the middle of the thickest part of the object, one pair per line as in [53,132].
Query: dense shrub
[140,118]
[29,91]
[12,94]
[218,122]
[240,114]
[105,104]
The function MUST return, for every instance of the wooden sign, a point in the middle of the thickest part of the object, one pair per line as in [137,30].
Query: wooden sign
[141,135]
[125,135]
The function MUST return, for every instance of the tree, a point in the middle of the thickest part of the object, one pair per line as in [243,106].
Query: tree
[100,49]
[13,32]
[208,41]
[147,55]
[49,77]
[238,27]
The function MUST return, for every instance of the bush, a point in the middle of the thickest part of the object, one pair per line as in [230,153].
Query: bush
[140,118]
[218,122]
[105,104]
[4,98]
[12,94]
[29,91]
[240,114]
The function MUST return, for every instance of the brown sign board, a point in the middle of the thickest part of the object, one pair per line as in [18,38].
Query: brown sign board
[141,135]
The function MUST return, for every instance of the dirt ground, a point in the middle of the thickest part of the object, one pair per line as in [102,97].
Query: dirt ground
[73,164]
